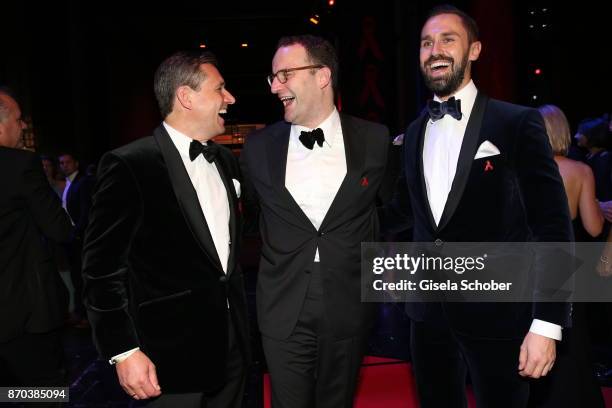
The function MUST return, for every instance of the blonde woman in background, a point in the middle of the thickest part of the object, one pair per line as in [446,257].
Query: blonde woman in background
[572,382]
[577,177]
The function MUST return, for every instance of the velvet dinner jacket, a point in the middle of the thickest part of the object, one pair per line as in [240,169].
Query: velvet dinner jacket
[289,239]
[515,196]
[152,275]
[33,298]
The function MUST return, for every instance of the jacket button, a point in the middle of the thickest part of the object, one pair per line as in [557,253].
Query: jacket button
[320,234]
[223,278]
[438,242]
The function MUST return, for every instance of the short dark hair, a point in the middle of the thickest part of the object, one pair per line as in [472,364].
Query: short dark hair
[468,22]
[319,51]
[68,153]
[48,157]
[181,68]
[596,131]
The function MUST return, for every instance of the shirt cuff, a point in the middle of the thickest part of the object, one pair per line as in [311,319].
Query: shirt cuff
[546,329]
[120,357]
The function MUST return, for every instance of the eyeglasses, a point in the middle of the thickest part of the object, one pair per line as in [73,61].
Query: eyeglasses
[281,74]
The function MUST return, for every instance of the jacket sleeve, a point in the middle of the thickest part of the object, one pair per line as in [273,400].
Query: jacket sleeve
[249,199]
[548,217]
[85,193]
[44,204]
[396,215]
[385,192]
[114,218]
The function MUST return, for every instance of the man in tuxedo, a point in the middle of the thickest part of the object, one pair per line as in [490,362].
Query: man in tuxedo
[315,179]
[477,170]
[163,289]
[76,199]
[33,298]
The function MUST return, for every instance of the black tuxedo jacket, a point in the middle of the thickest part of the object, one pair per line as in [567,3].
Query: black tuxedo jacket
[518,198]
[78,203]
[152,275]
[289,240]
[33,298]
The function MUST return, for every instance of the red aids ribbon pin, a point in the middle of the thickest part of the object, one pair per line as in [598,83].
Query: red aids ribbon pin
[364,182]
[488,166]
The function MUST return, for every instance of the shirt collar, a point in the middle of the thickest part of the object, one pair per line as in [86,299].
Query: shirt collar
[467,94]
[72,176]
[181,141]
[329,127]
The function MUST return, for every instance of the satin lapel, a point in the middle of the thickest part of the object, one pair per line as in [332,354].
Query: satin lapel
[354,151]
[233,206]
[466,158]
[186,195]
[418,154]
[278,146]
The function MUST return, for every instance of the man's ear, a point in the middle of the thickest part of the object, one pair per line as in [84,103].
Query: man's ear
[324,77]
[475,49]
[183,96]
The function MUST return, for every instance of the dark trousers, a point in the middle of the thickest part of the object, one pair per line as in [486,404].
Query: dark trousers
[311,368]
[441,359]
[230,395]
[33,360]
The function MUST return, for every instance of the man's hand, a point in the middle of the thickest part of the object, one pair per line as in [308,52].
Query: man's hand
[604,266]
[537,355]
[137,376]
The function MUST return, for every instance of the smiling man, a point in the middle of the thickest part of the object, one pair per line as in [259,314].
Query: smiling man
[478,170]
[316,178]
[163,289]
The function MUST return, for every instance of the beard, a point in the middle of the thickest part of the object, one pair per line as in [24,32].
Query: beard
[448,84]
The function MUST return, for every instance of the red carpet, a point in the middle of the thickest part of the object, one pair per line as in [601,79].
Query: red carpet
[607,393]
[389,383]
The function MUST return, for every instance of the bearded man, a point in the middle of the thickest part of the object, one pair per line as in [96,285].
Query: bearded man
[478,170]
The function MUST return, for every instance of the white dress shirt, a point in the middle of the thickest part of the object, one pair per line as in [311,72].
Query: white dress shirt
[69,181]
[441,147]
[313,177]
[212,197]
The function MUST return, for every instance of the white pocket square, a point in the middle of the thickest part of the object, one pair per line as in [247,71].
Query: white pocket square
[486,149]
[237,187]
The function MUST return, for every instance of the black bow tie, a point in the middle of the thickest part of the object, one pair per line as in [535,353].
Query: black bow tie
[437,110]
[209,151]
[308,139]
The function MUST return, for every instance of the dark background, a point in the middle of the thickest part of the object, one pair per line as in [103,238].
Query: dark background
[83,71]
